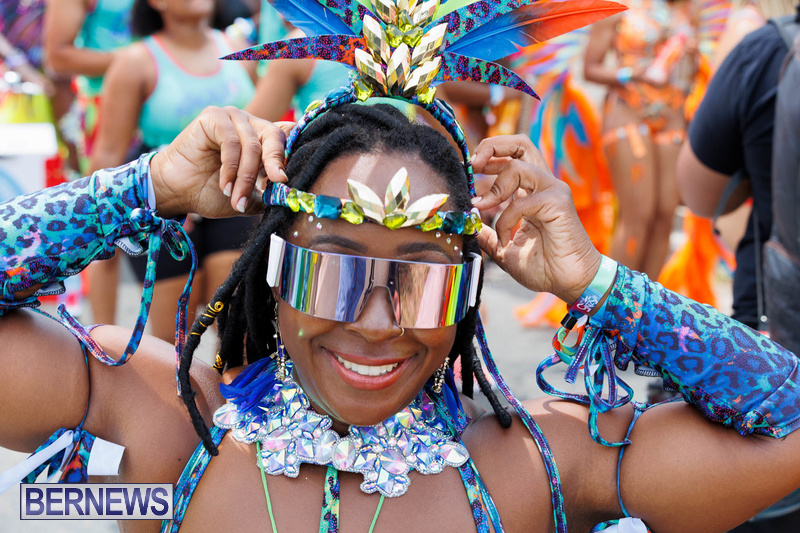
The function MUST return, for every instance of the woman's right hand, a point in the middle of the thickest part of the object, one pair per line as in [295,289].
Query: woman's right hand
[211,168]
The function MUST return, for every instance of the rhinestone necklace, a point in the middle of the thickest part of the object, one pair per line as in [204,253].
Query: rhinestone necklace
[290,433]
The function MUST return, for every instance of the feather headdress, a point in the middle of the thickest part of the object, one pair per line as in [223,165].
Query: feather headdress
[406,47]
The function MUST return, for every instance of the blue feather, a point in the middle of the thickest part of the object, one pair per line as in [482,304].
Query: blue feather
[255,382]
[311,17]
[469,17]
[496,39]
[530,24]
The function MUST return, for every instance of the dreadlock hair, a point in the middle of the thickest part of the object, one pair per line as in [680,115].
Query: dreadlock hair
[247,320]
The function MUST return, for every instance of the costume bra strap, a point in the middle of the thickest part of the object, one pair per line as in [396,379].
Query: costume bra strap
[329,516]
[556,494]
[479,499]
[638,409]
[184,490]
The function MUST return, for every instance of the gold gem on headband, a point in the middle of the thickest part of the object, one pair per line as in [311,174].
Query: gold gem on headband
[393,211]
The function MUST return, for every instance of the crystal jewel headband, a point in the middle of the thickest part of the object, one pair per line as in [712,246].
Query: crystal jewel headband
[393,211]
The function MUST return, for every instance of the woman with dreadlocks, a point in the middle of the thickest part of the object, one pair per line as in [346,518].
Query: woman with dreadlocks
[340,322]
[357,372]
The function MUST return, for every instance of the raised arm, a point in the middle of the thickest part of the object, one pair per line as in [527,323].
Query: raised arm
[54,233]
[601,40]
[680,472]
[130,78]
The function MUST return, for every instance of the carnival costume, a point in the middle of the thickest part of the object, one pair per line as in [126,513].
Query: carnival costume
[54,233]
[691,268]
[640,41]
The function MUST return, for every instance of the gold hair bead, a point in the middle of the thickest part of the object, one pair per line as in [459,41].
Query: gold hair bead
[219,364]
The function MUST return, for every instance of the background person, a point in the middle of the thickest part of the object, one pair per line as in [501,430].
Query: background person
[643,120]
[80,39]
[154,89]
[745,135]
[732,134]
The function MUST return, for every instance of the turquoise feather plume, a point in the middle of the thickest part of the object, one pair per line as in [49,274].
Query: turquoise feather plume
[351,12]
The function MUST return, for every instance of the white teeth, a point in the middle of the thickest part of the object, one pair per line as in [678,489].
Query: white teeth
[365,370]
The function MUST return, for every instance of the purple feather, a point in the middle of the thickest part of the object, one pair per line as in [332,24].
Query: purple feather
[456,67]
[339,48]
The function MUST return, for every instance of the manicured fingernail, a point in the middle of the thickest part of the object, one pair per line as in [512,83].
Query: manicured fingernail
[283,173]
[477,200]
[228,189]
[242,204]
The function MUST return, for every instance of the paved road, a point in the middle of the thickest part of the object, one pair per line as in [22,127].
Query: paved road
[517,350]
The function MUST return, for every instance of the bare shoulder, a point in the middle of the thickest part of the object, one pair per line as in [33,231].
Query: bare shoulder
[136,405]
[134,65]
[134,53]
[513,467]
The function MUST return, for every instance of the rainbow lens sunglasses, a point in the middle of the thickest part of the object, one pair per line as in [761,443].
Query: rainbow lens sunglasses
[337,286]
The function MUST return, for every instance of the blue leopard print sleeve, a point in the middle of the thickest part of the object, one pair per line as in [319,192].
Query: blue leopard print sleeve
[734,375]
[54,233]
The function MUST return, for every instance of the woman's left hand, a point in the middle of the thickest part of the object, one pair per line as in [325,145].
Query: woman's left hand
[550,252]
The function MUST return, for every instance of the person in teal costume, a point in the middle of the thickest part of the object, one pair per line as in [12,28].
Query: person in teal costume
[155,88]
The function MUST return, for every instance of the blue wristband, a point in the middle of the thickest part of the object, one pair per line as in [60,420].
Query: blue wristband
[593,294]
[624,75]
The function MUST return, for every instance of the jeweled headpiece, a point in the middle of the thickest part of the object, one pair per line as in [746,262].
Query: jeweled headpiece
[404,48]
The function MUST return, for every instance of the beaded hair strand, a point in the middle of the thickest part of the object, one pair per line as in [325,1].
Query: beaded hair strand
[246,321]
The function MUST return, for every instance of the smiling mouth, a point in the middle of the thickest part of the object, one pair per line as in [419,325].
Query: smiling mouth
[366,370]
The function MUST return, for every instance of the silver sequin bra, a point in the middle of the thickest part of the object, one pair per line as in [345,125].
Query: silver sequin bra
[291,433]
